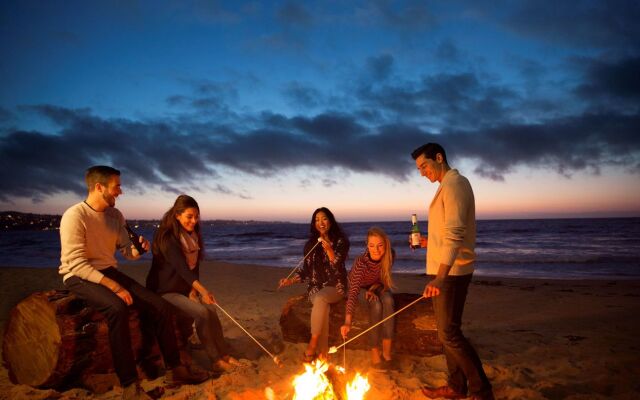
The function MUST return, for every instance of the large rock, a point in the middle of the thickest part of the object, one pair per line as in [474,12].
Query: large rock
[415,327]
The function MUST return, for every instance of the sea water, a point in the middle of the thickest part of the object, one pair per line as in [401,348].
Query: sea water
[598,248]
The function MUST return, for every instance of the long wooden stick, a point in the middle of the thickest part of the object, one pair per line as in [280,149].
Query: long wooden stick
[303,258]
[274,358]
[344,355]
[333,349]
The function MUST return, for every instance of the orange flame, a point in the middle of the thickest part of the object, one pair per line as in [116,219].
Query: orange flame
[358,387]
[313,384]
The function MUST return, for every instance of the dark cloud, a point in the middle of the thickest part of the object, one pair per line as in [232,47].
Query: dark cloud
[328,128]
[218,188]
[290,34]
[5,116]
[301,96]
[611,24]
[35,165]
[59,115]
[380,67]
[411,15]
[532,71]
[208,88]
[177,100]
[620,79]
[209,104]
[294,14]
[207,99]
[150,153]
[447,51]
[459,100]
[205,11]
[329,182]
[171,156]
[586,142]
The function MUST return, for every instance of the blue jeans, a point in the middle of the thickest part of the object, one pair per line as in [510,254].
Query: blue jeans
[463,363]
[378,310]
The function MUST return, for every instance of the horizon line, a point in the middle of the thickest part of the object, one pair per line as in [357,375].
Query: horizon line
[595,215]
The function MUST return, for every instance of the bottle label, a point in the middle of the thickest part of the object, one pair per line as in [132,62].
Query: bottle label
[415,239]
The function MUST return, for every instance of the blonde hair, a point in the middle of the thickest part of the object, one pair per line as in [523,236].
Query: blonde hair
[387,259]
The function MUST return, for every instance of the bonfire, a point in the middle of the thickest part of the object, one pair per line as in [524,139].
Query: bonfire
[320,381]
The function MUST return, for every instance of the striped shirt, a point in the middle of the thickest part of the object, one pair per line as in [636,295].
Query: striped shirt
[364,273]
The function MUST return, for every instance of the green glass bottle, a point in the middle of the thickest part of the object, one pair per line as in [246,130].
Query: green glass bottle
[415,232]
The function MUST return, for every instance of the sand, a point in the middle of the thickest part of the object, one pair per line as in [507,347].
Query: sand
[537,339]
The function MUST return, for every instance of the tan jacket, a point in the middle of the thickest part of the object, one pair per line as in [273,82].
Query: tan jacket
[452,226]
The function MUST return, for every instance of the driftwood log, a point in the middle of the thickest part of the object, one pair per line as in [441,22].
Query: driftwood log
[415,327]
[54,340]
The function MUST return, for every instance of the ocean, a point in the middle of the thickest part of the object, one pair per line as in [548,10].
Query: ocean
[598,248]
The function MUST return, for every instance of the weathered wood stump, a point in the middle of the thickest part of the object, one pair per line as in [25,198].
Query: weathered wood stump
[415,327]
[54,340]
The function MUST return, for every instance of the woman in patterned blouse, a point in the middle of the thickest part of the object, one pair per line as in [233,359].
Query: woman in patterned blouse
[326,275]
[369,284]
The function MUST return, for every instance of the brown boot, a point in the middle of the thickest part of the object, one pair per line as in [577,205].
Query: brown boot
[183,375]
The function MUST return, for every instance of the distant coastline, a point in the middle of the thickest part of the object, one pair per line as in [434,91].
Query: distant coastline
[20,221]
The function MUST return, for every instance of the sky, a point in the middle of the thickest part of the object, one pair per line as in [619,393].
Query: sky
[269,110]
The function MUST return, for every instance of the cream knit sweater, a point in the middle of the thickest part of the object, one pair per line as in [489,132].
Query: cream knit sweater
[452,226]
[89,240]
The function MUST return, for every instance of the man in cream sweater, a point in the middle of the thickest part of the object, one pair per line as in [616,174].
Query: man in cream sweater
[450,262]
[90,232]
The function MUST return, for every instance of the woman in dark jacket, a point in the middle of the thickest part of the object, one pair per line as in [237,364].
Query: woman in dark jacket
[326,275]
[175,269]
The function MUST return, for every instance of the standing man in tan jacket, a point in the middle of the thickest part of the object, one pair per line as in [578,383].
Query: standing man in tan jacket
[450,263]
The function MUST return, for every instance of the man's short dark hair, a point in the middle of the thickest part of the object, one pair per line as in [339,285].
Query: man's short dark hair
[99,174]
[429,150]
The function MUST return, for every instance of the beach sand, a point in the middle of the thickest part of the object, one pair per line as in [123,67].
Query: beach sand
[537,339]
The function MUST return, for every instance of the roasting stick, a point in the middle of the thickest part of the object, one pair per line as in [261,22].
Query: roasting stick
[303,258]
[333,349]
[344,355]
[274,358]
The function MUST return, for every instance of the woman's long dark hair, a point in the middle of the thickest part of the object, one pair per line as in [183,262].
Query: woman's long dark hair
[170,226]
[335,231]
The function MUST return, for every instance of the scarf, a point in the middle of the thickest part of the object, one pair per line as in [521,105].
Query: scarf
[190,248]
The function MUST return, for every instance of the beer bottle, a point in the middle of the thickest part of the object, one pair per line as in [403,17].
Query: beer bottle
[415,232]
[135,239]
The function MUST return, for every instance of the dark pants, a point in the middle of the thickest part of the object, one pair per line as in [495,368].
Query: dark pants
[465,367]
[117,314]
[207,322]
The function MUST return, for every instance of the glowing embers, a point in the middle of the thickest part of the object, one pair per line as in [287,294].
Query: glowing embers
[323,382]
